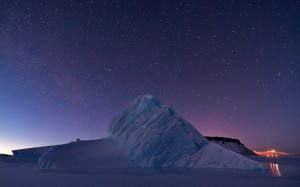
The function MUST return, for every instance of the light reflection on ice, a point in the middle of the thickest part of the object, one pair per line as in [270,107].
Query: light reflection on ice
[275,170]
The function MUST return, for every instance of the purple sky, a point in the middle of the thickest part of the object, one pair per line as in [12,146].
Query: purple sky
[231,68]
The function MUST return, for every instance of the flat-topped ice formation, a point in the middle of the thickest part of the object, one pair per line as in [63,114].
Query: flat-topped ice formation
[153,136]
[103,153]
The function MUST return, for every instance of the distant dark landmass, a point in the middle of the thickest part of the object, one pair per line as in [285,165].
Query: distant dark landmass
[4,155]
[232,144]
[223,139]
[295,154]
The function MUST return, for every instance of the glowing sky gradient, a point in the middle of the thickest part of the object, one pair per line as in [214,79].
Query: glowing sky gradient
[231,68]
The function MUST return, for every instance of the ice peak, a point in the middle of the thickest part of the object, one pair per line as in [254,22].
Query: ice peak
[148,96]
[147,99]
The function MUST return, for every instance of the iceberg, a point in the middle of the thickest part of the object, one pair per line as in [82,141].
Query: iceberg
[145,135]
[155,136]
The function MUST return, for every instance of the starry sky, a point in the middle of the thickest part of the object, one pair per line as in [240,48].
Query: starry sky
[231,67]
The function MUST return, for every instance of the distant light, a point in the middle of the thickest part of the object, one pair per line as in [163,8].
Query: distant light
[273,151]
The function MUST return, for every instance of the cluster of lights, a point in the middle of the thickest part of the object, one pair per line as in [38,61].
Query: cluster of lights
[272,155]
[268,153]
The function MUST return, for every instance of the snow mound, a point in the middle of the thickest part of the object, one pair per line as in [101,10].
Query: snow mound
[155,136]
[238,148]
[215,156]
[103,153]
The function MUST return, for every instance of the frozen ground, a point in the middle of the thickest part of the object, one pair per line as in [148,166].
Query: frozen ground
[20,173]
[285,160]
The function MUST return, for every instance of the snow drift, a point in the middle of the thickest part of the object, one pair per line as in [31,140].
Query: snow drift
[155,136]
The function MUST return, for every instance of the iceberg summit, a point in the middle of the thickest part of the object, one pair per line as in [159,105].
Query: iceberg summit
[155,136]
[146,135]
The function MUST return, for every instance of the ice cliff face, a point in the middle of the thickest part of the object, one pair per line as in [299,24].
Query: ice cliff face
[31,153]
[154,136]
[103,153]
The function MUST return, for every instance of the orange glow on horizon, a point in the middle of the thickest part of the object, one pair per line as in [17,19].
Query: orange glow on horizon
[271,153]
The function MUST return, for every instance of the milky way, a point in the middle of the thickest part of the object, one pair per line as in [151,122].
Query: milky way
[231,68]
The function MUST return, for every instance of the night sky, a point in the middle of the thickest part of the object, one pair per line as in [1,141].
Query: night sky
[231,68]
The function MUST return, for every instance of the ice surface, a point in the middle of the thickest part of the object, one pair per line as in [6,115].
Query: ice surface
[286,160]
[23,175]
[155,136]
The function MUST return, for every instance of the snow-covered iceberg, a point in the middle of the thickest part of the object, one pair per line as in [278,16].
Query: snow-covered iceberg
[148,135]
[153,136]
